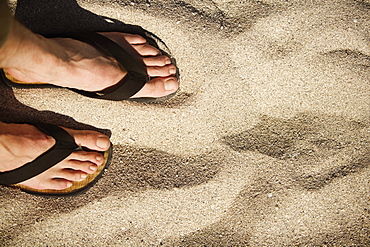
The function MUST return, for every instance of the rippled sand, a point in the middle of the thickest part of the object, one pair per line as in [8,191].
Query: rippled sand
[267,144]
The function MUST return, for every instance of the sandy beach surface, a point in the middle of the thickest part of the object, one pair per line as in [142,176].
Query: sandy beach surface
[266,144]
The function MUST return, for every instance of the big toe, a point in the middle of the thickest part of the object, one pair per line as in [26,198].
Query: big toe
[90,139]
[102,142]
[158,87]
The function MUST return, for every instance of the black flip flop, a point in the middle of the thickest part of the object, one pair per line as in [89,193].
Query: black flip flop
[126,56]
[63,147]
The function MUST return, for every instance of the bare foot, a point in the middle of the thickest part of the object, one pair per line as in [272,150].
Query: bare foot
[70,63]
[22,143]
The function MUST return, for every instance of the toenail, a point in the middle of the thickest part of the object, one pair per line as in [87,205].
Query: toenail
[99,158]
[69,184]
[170,85]
[167,61]
[83,176]
[93,168]
[173,71]
[102,142]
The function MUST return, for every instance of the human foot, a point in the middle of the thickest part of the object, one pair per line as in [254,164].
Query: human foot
[70,63]
[22,143]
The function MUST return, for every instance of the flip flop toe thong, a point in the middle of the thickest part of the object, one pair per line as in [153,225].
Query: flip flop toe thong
[63,147]
[125,55]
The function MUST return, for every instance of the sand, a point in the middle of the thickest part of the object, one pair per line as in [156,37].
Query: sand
[266,144]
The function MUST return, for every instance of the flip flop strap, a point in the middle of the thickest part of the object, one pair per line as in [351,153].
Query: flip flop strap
[126,56]
[63,147]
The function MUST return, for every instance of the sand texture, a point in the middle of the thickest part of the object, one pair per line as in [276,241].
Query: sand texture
[266,144]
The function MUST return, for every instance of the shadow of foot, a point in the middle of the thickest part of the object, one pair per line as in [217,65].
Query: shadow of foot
[132,170]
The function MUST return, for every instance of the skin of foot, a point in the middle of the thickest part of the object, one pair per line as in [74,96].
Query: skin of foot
[65,62]
[22,143]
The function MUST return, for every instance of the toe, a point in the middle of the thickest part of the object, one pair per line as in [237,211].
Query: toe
[122,38]
[86,156]
[146,50]
[159,61]
[138,42]
[82,166]
[71,175]
[59,184]
[167,70]
[134,39]
[158,87]
[170,85]
[90,139]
